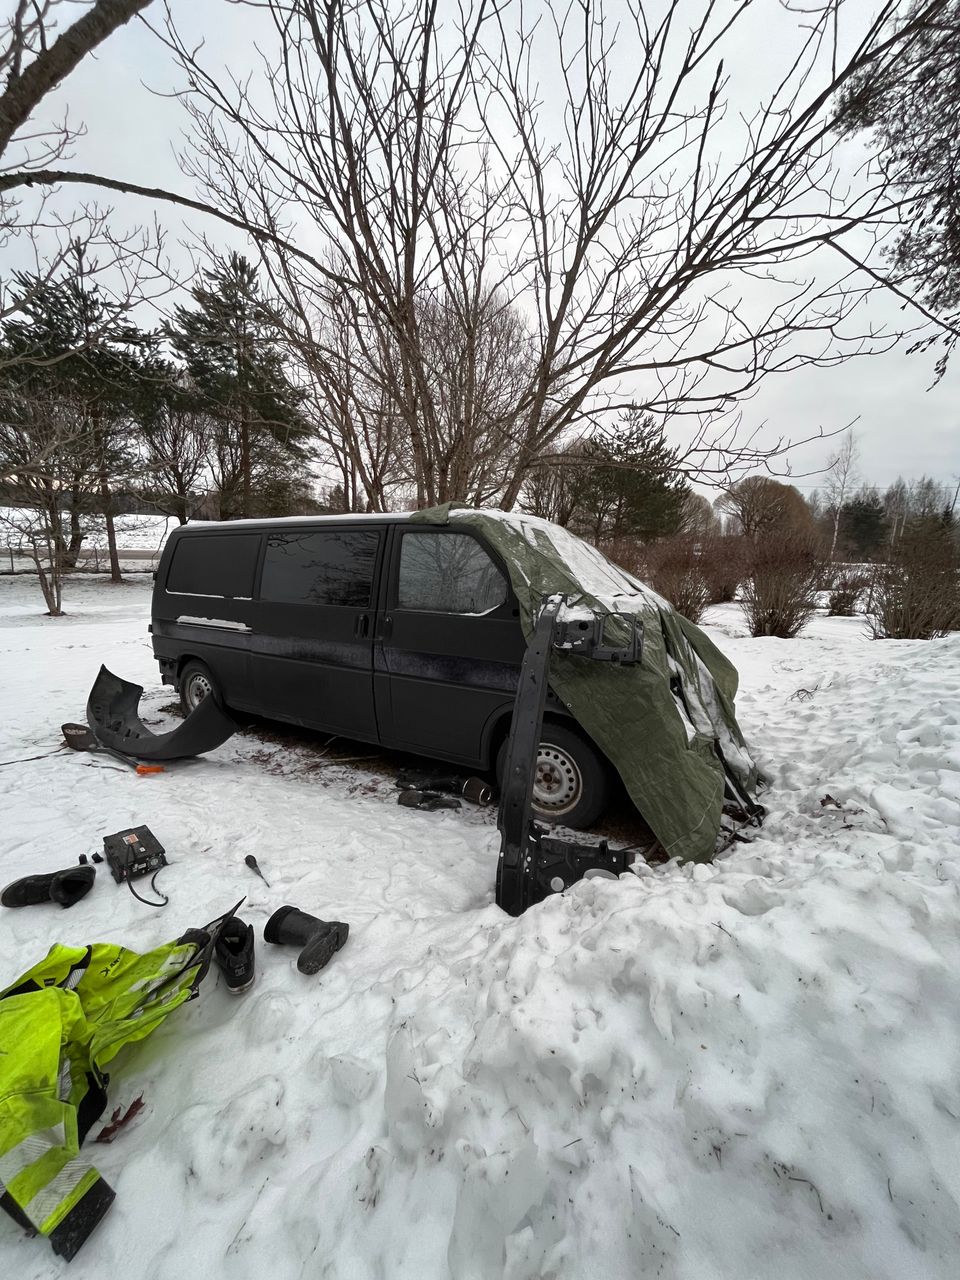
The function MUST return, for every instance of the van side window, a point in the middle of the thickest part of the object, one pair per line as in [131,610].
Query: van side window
[448,573]
[334,566]
[214,565]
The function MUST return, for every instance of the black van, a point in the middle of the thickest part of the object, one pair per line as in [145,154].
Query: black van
[371,627]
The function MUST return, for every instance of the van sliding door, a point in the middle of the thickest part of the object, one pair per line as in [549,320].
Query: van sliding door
[313,629]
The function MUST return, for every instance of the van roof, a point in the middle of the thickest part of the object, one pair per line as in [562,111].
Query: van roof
[284,522]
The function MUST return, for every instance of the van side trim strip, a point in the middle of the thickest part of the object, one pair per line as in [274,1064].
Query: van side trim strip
[221,624]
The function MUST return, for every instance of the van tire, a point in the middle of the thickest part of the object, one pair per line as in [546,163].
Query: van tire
[197,682]
[571,772]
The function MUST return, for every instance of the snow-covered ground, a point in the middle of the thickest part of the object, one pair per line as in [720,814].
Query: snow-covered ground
[142,535]
[749,1069]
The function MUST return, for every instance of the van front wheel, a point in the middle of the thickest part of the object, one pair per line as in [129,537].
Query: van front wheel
[571,783]
[197,683]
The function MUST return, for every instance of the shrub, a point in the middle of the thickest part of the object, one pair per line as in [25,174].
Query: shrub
[723,563]
[916,594]
[629,554]
[780,591]
[845,590]
[674,569]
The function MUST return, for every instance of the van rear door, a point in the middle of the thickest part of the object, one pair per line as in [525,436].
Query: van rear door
[202,602]
[313,622]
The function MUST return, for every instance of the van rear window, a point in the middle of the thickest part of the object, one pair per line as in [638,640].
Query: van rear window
[214,565]
[333,566]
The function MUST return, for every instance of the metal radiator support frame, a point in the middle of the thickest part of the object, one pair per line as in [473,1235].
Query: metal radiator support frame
[533,864]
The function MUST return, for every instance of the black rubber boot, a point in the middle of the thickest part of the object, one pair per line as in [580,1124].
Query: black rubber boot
[319,940]
[65,887]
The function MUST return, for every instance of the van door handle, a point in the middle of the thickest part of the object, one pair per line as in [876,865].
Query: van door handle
[362,625]
[386,626]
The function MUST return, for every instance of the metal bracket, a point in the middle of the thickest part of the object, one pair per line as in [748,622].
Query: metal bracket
[586,636]
[532,863]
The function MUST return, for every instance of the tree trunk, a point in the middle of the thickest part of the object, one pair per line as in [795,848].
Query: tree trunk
[72,554]
[115,574]
[51,587]
[245,465]
[51,576]
[107,497]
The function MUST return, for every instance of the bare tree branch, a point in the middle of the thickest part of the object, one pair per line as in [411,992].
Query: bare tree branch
[27,86]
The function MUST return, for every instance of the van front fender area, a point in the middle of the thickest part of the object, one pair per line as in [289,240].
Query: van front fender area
[497,728]
[114,718]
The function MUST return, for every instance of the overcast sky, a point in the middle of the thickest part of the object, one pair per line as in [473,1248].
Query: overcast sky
[904,425]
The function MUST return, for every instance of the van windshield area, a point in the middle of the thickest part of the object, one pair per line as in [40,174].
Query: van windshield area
[591,568]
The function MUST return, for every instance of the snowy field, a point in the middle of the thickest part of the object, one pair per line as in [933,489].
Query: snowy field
[749,1069]
[142,535]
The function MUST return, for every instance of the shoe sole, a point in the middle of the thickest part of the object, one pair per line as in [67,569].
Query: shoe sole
[318,954]
[238,991]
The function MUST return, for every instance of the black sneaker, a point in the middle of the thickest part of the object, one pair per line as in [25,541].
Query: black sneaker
[233,952]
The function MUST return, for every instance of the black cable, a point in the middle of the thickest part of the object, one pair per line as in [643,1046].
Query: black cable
[153,889]
[27,759]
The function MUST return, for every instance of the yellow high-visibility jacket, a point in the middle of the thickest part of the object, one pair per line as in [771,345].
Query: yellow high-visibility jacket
[60,1024]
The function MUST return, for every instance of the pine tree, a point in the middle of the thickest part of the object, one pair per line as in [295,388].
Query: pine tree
[863,524]
[630,486]
[70,368]
[229,343]
[912,108]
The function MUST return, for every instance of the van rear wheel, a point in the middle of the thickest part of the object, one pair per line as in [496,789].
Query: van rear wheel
[571,785]
[197,683]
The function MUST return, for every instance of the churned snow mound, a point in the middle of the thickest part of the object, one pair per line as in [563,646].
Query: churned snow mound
[744,1069]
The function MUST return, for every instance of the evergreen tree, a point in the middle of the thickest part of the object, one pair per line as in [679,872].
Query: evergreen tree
[69,373]
[629,485]
[863,524]
[229,343]
[913,108]
[911,105]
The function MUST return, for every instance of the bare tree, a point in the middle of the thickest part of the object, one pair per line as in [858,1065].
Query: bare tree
[449,429]
[37,523]
[345,373]
[698,518]
[33,64]
[175,441]
[34,60]
[841,476]
[556,490]
[655,244]
[762,506]
[623,216]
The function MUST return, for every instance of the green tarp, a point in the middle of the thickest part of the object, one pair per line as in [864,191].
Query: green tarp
[668,724]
